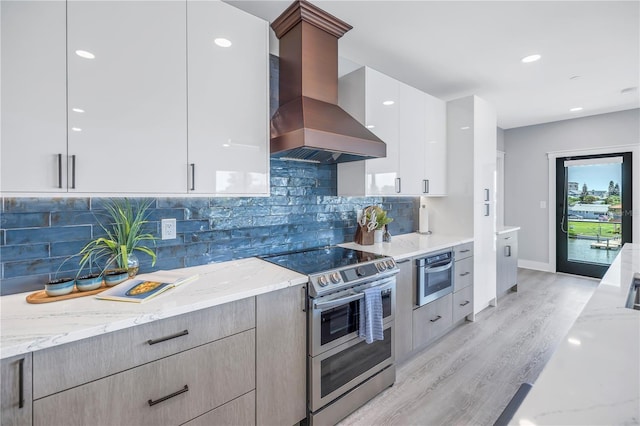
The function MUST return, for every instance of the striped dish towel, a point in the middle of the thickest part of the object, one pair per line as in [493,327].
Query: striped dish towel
[371,315]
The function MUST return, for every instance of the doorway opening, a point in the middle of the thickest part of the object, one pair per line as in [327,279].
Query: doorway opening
[593,213]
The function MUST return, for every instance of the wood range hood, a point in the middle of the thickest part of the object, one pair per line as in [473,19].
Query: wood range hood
[309,125]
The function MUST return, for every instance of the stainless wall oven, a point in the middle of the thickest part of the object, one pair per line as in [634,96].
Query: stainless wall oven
[435,274]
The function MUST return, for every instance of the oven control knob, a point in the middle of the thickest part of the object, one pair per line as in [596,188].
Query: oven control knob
[335,278]
[391,264]
[360,271]
[381,266]
[323,281]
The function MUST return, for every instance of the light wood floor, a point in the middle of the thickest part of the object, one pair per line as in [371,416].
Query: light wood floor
[469,376]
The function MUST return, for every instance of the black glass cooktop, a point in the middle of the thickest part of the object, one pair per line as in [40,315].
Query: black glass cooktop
[321,259]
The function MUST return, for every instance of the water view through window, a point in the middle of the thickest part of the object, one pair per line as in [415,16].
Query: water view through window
[593,223]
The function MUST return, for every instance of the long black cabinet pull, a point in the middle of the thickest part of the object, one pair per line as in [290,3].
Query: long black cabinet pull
[398,185]
[403,261]
[164,339]
[464,274]
[21,383]
[73,172]
[436,318]
[465,251]
[164,398]
[466,302]
[193,176]
[59,170]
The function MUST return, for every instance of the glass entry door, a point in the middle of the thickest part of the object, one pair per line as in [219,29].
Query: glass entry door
[593,213]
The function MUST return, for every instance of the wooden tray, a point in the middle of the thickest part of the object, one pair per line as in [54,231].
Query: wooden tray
[42,297]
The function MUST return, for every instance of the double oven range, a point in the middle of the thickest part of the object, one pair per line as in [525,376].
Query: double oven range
[343,371]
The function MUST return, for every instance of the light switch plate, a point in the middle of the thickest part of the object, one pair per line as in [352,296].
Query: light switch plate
[168,229]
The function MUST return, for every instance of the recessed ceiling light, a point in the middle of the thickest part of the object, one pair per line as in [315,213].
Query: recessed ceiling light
[465,128]
[371,126]
[574,77]
[531,58]
[387,103]
[85,54]
[574,341]
[628,90]
[222,42]
[77,110]
[76,129]
[576,109]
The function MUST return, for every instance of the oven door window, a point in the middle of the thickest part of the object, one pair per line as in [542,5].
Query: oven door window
[436,281]
[345,319]
[339,369]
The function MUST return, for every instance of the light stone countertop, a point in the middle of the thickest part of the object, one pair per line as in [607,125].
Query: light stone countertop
[505,229]
[410,245]
[29,327]
[593,378]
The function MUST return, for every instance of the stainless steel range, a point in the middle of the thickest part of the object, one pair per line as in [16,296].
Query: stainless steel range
[344,371]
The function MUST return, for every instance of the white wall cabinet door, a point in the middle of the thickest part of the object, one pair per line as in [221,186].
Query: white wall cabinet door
[127,96]
[228,100]
[434,181]
[33,130]
[412,139]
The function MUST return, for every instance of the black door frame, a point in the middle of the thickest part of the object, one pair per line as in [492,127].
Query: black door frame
[563,264]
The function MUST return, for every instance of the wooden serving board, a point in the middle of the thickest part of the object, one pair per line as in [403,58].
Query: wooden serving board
[42,297]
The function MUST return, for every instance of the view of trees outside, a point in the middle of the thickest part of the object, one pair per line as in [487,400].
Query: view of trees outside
[594,212]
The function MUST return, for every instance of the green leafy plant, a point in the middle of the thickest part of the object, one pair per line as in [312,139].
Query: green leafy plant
[124,229]
[381,217]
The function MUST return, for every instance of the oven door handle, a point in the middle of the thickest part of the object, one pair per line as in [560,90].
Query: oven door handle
[385,285]
[434,269]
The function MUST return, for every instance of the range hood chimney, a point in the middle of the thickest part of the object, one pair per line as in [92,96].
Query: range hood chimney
[309,125]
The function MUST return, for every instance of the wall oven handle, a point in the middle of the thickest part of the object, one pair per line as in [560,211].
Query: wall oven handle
[385,285]
[431,269]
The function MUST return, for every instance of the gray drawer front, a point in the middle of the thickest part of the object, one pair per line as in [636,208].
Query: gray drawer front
[65,366]
[240,411]
[463,251]
[431,321]
[214,374]
[462,303]
[463,274]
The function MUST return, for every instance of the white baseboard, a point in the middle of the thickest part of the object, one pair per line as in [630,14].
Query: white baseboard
[538,266]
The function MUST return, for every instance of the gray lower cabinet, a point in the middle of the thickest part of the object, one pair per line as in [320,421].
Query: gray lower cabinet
[405,290]
[281,355]
[507,264]
[432,320]
[169,391]
[240,411]
[16,397]
[462,303]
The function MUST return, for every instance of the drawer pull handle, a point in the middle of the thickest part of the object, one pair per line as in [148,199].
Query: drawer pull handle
[465,251]
[164,339]
[164,398]
[466,302]
[436,318]
[464,274]
[21,383]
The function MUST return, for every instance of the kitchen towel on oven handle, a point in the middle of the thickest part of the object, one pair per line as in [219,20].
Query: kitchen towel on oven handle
[371,323]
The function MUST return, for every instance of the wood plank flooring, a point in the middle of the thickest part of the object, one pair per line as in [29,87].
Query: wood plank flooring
[469,376]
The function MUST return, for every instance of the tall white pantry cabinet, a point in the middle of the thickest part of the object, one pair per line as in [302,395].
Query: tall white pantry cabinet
[133,98]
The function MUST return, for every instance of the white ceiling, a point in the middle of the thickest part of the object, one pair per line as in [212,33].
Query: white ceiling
[452,49]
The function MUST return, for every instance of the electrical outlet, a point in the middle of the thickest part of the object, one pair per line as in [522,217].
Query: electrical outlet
[168,229]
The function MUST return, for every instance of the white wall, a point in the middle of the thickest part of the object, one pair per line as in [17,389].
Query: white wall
[527,173]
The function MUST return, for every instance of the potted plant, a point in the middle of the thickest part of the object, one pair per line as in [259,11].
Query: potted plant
[124,235]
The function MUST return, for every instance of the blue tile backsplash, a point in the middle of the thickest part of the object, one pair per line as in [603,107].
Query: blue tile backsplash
[38,235]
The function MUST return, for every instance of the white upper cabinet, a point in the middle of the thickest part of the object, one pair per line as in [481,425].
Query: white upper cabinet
[411,123]
[33,151]
[228,100]
[127,121]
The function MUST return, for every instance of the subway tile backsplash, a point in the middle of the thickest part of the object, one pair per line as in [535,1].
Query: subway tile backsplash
[37,235]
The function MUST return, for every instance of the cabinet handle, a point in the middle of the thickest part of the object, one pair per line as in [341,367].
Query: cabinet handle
[436,319]
[464,274]
[21,383]
[59,170]
[304,299]
[403,261]
[193,176]
[164,398]
[73,172]
[465,251]
[486,194]
[425,186]
[486,209]
[398,185]
[164,339]
[466,302]
[507,251]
